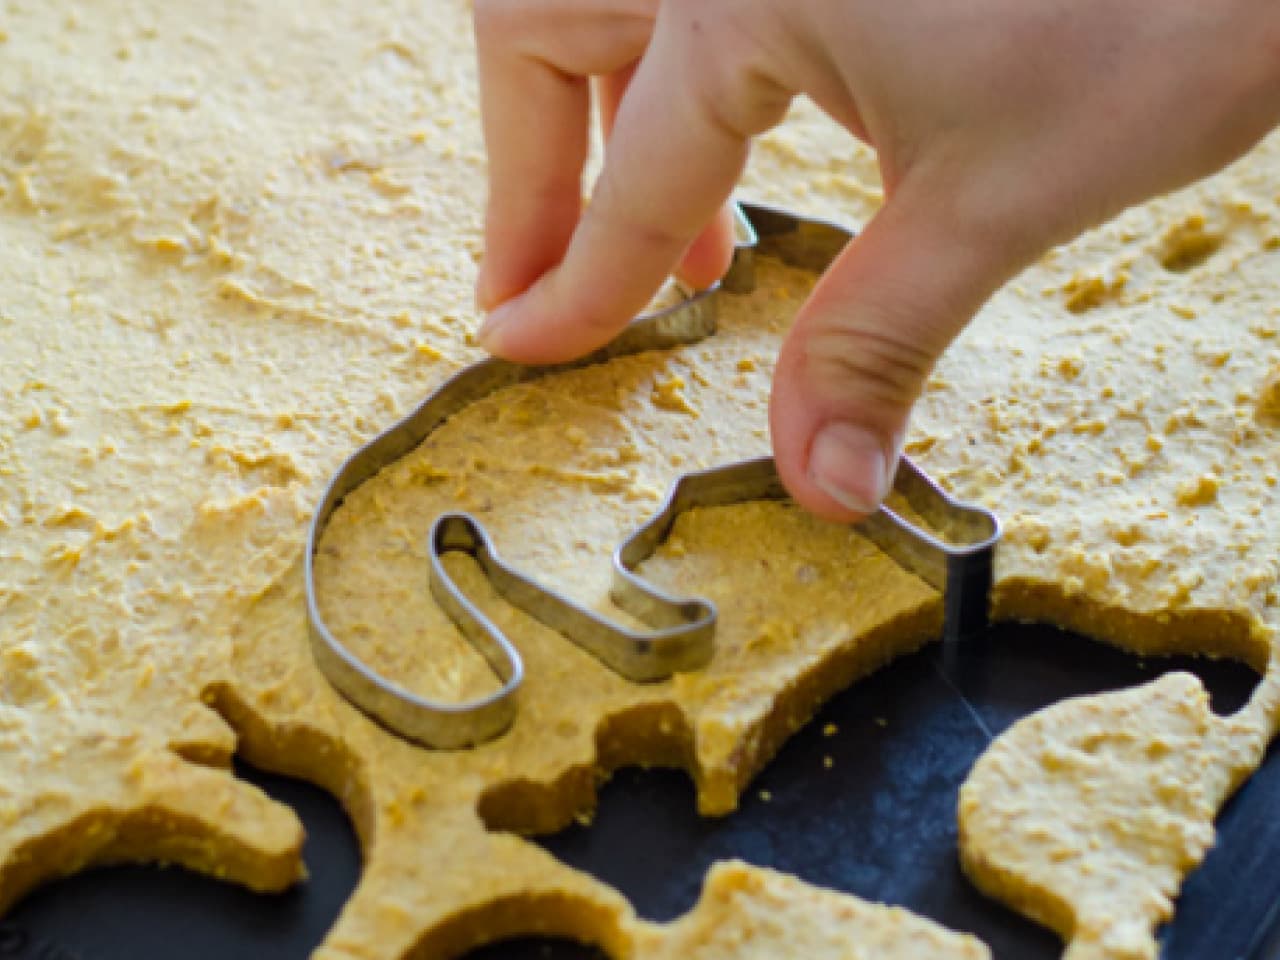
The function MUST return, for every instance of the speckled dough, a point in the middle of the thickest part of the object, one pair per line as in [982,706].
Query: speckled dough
[749,913]
[239,240]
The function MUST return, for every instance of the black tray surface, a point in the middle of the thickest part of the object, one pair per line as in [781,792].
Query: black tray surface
[879,822]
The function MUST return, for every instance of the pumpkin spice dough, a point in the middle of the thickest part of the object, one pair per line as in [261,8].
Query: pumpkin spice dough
[240,240]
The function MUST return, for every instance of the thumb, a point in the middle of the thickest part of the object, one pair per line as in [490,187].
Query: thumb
[863,345]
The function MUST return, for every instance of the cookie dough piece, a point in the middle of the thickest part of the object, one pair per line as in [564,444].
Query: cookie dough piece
[1088,815]
[113,796]
[750,913]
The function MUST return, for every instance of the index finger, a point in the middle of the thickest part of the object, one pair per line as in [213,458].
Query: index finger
[679,144]
[534,61]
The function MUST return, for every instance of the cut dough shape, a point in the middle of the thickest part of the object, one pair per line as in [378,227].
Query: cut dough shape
[749,913]
[1088,814]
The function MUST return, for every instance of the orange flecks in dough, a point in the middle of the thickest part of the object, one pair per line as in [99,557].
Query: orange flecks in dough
[1085,292]
[1268,405]
[222,286]
[669,394]
[1189,244]
[1200,492]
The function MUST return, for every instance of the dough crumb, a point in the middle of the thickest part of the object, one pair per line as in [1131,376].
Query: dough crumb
[1199,492]
[1268,408]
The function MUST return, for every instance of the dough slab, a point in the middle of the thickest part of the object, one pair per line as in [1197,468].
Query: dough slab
[239,240]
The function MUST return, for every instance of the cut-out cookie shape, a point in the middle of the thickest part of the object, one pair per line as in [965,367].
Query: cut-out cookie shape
[168,796]
[1088,815]
[957,560]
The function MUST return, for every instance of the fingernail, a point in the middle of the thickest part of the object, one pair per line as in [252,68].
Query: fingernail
[488,334]
[848,464]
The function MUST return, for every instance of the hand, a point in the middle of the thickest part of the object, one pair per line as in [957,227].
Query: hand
[1002,127]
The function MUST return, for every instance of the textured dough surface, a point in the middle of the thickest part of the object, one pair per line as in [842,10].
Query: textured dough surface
[240,240]
[1088,814]
[748,913]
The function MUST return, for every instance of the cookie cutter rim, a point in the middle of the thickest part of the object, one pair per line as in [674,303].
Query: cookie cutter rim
[956,560]
[960,566]
[437,723]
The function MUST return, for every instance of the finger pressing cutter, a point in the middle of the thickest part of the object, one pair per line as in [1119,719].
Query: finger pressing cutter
[951,546]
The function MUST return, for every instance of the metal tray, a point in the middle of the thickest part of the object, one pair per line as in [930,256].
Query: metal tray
[879,823]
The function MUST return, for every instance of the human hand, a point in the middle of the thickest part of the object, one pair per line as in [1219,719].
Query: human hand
[1002,127]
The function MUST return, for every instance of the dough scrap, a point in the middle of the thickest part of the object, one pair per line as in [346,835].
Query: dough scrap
[748,912]
[1088,814]
[253,232]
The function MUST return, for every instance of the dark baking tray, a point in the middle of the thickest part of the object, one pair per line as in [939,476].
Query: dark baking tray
[879,823]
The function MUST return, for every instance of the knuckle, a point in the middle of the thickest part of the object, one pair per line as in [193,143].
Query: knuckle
[730,61]
[875,368]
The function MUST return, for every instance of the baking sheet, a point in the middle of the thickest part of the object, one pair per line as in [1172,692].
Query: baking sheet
[878,822]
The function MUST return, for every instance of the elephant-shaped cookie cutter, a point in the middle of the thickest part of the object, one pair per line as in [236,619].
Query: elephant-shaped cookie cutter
[954,554]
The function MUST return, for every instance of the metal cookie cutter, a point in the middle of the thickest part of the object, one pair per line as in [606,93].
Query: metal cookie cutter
[956,560]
